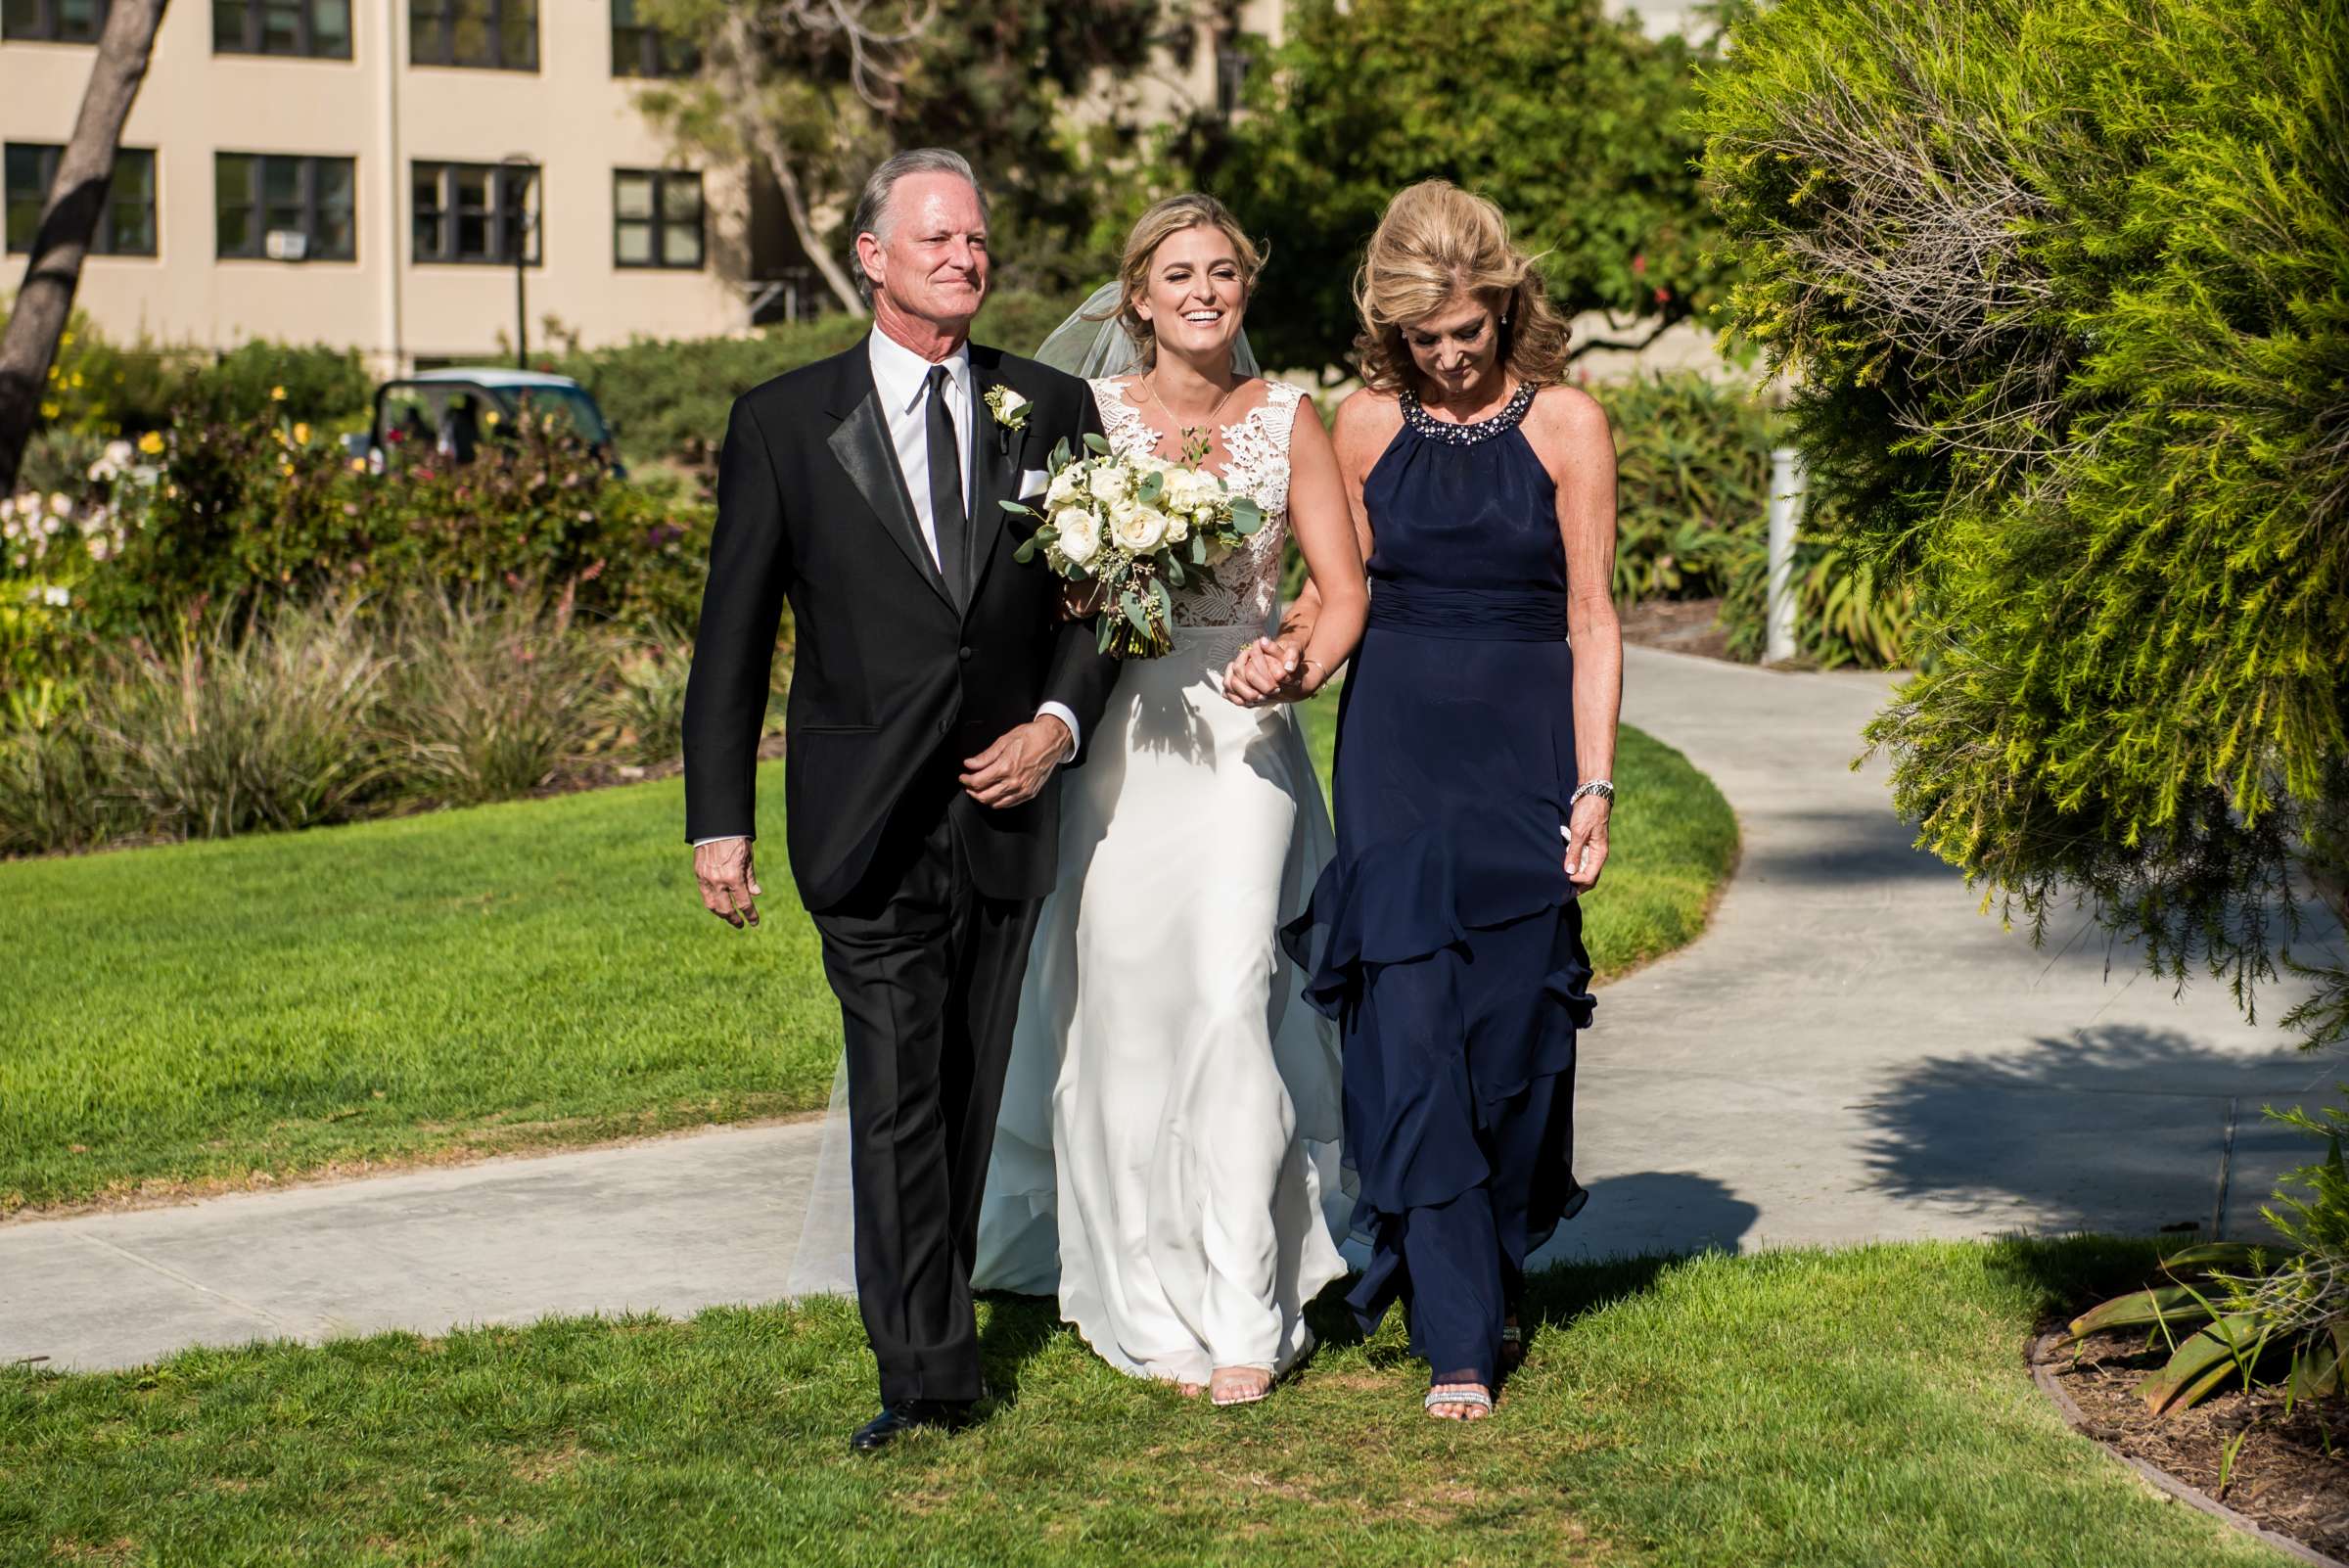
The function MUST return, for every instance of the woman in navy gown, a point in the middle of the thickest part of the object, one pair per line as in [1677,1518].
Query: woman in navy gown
[1476,739]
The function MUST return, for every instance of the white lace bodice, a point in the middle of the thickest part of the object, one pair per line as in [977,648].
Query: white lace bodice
[1245,588]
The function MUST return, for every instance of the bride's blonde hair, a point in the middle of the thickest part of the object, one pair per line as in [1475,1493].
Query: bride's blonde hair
[1190,211]
[1435,242]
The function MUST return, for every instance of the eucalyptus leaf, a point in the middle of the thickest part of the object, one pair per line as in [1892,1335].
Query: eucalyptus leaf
[1096,442]
[1134,616]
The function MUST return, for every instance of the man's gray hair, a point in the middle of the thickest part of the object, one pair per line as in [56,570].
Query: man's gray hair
[872,206]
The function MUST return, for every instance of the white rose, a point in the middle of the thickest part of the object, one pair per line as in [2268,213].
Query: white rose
[1066,485]
[1079,533]
[1138,529]
[1107,483]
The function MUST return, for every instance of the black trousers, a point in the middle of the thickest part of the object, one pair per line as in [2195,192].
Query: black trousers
[928,974]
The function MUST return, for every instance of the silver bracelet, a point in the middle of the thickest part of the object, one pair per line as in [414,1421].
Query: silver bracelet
[1604,789]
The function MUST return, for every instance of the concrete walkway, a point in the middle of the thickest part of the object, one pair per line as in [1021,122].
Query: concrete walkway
[1850,1053]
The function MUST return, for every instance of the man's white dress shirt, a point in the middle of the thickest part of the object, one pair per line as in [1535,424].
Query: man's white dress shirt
[902,381]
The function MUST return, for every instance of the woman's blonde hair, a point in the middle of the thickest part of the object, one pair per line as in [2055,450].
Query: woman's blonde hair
[1190,211]
[1435,242]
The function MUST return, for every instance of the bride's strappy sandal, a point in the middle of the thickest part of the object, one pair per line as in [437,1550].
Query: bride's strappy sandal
[1441,1400]
[1227,1386]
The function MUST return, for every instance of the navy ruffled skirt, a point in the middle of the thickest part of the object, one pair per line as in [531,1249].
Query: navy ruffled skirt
[1446,941]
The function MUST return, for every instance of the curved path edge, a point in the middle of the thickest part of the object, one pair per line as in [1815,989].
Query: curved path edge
[2191,1495]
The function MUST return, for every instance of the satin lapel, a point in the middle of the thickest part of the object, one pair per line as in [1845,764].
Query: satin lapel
[862,445]
[994,470]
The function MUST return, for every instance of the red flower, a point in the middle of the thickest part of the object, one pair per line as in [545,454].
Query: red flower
[1662,295]
[1639,264]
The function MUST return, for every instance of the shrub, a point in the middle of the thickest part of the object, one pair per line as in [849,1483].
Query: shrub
[243,515]
[1692,479]
[495,695]
[55,794]
[265,381]
[222,735]
[644,699]
[2067,287]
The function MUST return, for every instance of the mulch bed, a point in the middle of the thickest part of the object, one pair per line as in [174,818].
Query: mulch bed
[1681,626]
[2291,1474]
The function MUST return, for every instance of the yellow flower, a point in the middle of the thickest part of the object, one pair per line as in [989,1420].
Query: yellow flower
[286,469]
[302,433]
[277,395]
[358,465]
[51,410]
[152,443]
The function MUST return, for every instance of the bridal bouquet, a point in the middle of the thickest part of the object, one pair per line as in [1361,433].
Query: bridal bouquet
[1133,529]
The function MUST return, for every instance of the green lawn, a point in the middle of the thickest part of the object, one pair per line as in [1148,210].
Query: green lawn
[511,976]
[1865,1408]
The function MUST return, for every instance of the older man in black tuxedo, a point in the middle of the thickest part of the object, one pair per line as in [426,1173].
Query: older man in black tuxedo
[935,694]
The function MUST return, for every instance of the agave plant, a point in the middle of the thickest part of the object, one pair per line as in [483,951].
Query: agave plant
[2240,1312]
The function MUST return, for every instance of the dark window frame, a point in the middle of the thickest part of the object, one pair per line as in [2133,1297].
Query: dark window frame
[254,246]
[432,33]
[48,22]
[253,35]
[447,210]
[641,50]
[660,223]
[103,239]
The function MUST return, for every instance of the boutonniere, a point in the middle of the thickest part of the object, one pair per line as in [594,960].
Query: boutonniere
[1009,407]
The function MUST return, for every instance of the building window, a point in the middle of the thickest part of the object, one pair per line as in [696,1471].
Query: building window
[656,218]
[52,21]
[642,50]
[491,34]
[125,224]
[476,212]
[285,208]
[317,29]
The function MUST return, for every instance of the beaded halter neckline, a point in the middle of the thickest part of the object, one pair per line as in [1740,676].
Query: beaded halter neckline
[1428,425]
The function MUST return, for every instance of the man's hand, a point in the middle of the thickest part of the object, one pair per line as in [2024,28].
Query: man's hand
[1587,843]
[722,866]
[1265,672]
[1010,771]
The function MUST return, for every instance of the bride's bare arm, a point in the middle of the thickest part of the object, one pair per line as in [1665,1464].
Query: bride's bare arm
[1321,627]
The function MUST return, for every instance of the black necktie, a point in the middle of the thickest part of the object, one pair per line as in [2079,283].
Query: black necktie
[946,515]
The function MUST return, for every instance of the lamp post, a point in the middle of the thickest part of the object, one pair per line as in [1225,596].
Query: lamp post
[514,183]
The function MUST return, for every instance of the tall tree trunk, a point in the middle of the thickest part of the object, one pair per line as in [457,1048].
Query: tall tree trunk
[742,91]
[68,222]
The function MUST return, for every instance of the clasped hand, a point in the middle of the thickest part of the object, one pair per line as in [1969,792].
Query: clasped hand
[1265,671]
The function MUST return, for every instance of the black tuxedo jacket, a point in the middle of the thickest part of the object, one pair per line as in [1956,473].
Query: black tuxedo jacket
[893,677]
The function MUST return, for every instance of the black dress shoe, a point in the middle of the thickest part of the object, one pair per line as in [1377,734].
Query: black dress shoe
[895,1421]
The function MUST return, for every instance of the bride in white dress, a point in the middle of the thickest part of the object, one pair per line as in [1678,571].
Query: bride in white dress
[1167,1156]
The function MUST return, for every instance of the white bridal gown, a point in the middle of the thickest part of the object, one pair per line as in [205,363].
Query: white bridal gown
[1167,1155]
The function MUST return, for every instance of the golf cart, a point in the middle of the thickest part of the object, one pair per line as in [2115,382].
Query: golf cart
[453,413]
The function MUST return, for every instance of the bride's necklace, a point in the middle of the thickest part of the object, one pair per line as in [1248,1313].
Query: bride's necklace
[1184,432]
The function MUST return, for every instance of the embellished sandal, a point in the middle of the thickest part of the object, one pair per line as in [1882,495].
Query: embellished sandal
[1227,1386]
[1466,1399]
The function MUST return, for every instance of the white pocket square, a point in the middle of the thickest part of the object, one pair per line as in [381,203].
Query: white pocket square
[1033,481]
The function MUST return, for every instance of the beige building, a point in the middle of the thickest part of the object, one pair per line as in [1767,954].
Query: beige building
[360,174]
